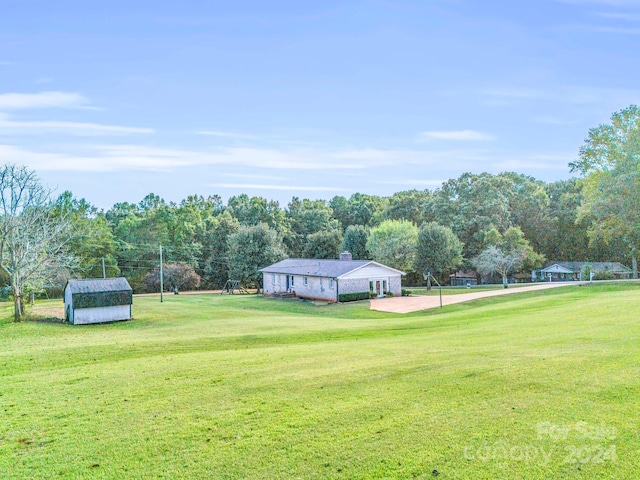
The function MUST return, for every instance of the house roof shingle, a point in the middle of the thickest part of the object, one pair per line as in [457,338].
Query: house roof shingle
[315,268]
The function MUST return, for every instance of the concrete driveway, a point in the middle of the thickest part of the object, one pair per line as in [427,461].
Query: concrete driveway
[424,302]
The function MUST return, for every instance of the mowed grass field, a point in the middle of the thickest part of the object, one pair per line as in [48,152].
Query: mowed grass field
[531,386]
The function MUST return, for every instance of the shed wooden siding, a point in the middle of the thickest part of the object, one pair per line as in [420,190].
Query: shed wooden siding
[85,316]
[98,300]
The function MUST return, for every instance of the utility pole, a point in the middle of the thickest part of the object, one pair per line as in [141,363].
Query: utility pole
[104,271]
[161,278]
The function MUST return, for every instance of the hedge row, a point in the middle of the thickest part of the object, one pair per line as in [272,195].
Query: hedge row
[352,297]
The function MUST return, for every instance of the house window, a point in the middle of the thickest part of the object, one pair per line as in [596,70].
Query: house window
[306,281]
[331,283]
[273,279]
[292,277]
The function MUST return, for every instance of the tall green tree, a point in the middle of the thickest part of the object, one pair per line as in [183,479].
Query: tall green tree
[93,244]
[437,249]
[323,244]
[609,161]
[412,205]
[528,201]
[355,241]
[307,217]
[250,249]
[216,256]
[359,209]
[393,243]
[471,205]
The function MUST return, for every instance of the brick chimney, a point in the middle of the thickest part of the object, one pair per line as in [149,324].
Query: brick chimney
[346,256]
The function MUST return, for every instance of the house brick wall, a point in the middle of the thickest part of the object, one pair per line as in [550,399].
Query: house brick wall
[395,285]
[316,288]
[354,285]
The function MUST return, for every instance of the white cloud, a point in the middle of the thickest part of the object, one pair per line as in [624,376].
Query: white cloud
[23,101]
[136,157]
[69,128]
[456,135]
[563,94]
[253,176]
[231,135]
[614,30]
[535,162]
[553,121]
[624,16]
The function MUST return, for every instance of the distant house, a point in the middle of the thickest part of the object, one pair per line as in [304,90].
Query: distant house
[328,279]
[97,300]
[462,279]
[568,271]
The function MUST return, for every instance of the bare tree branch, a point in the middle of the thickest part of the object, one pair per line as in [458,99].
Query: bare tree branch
[33,241]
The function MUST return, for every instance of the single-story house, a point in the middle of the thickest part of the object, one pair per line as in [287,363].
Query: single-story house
[575,271]
[328,279]
[97,300]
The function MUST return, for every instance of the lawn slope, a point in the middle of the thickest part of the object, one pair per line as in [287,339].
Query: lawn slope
[534,385]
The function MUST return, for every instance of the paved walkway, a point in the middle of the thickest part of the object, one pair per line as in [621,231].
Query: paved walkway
[424,302]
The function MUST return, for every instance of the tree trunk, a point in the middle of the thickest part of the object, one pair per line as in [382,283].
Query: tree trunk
[634,264]
[505,283]
[18,307]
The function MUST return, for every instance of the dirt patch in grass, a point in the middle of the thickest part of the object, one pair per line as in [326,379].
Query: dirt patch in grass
[45,313]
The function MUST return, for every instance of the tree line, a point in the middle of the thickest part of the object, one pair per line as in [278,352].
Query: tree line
[487,222]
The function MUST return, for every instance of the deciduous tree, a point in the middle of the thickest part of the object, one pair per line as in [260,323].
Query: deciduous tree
[610,163]
[355,241]
[252,248]
[33,241]
[437,249]
[506,253]
[175,277]
[393,243]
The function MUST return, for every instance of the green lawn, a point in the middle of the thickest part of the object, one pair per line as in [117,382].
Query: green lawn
[460,290]
[538,385]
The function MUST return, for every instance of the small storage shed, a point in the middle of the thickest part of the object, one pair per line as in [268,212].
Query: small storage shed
[97,300]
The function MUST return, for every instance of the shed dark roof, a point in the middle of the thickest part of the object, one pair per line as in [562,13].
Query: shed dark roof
[315,268]
[98,285]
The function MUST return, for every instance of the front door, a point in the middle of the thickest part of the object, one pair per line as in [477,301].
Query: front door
[379,288]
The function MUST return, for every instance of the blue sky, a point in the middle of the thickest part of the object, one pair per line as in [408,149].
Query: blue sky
[114,100]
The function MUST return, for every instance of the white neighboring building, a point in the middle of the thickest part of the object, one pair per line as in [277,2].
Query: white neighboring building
[328,279]
[97,300]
